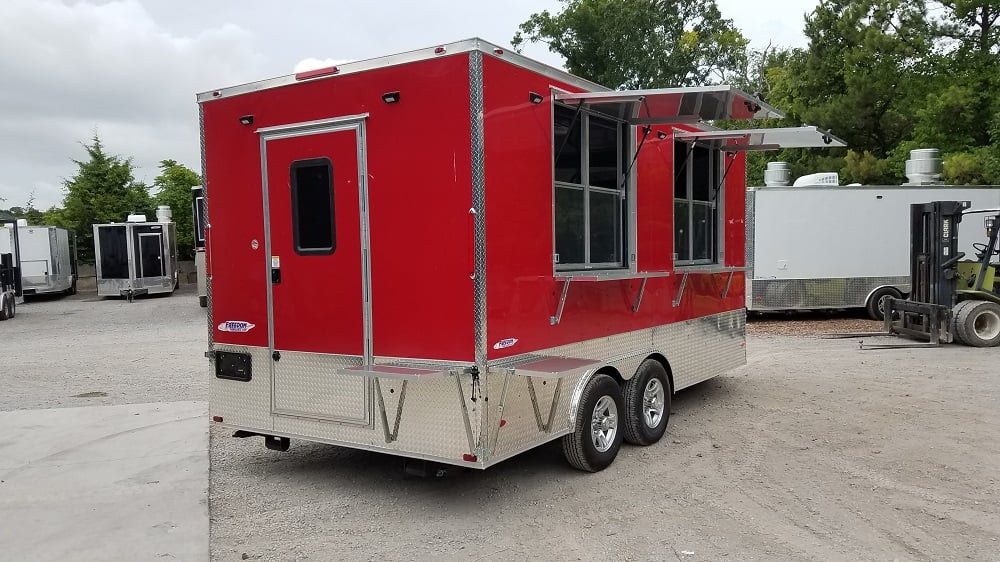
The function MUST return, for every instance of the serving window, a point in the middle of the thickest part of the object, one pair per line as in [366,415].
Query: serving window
[590,191]
[698,181]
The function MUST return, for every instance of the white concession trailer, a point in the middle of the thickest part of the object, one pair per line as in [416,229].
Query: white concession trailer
[833,247]
[136,257]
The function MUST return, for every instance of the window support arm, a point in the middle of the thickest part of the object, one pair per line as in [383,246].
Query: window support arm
[684,163]
[645,133]
[572,124]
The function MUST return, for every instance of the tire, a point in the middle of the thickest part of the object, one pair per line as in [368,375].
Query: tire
[875,307]
[600,403]
[647,404]
[977,323]
[955,313]
[4,308]
[203,301]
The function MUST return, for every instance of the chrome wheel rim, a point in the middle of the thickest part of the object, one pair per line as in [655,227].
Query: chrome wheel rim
[653,403]
[987,325]
[604,423]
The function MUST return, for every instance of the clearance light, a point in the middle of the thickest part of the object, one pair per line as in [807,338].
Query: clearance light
[535,98]
[316,73]
[661,135]
[498,51]
[390,97]
[469,458]
[439,51]
[217,419]
[246,120]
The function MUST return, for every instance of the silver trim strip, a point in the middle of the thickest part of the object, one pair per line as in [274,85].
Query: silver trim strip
[478,144]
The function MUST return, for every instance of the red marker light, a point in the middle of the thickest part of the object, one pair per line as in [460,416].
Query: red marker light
[217,419]
[469,458]
[498,51]
[439,50]
[503,423]
[316,73]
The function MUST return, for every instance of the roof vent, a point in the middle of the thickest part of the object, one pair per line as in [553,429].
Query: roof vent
[164,214]
[924,167]
[822,178]
[136,218]
[777,174]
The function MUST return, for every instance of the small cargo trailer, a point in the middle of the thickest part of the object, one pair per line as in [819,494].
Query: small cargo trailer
[136,257]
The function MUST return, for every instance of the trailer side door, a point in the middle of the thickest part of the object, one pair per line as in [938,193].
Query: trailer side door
[319,306]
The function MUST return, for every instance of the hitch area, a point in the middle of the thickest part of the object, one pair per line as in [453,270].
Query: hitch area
[425,469]
[272,442]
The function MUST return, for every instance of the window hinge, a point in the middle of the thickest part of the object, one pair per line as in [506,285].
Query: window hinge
[555,258]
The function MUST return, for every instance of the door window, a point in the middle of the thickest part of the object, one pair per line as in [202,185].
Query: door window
[313,224]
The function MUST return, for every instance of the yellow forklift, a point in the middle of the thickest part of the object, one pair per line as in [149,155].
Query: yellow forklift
[952,299]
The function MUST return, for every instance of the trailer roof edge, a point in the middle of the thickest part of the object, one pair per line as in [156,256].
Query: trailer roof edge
[437,51]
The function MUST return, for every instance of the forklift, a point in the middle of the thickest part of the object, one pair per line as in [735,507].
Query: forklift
[10,271]
[951,299]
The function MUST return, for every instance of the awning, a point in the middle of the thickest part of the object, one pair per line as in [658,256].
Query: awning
[673,105]
[763,139]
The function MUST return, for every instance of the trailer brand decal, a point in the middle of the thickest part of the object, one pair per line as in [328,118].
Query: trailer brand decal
[236,326]
[504,344]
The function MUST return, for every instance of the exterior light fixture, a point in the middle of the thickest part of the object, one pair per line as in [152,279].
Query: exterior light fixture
[661,135]
[390,97]
[246,120]
[535,98]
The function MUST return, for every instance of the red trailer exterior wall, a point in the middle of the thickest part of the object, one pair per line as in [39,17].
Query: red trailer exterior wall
[522,292]
[419,170]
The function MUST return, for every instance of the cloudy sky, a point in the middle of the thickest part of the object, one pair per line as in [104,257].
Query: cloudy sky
[129,69]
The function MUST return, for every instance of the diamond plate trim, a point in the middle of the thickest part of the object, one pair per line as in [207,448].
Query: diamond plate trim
[478,201]
[307,385]
[800,294]
[245,404]
[695,350]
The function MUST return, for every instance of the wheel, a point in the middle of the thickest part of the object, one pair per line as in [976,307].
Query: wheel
[977,323]
[11,307]
[4,308]
[875,307]
[955,313]
[647,404]
[203,301]
[596,438]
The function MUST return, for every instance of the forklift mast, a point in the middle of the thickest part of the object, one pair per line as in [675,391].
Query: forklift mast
[934,251]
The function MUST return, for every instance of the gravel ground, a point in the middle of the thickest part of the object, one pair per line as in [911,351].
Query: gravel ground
[815,450]
[83,350]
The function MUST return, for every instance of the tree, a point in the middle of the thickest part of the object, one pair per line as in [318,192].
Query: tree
[174,183]
[640,43]
[103,190]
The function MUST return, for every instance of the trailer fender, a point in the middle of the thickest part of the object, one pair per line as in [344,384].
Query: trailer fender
[614,369]
[574,402]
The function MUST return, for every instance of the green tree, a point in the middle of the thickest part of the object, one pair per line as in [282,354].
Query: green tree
[640,43]
[103,190]
[174,184]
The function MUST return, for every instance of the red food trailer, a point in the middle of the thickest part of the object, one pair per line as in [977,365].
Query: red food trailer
[457,254]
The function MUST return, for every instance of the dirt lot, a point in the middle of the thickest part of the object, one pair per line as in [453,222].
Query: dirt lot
[815,450]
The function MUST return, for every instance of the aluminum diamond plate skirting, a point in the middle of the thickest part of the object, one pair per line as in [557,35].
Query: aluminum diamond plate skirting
[307,384]
[804,294]
[493,416]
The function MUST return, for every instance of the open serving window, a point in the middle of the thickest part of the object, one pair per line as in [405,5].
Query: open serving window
[762,139]
[595,148]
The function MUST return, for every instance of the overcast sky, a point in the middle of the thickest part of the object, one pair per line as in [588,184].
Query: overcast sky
[129,69]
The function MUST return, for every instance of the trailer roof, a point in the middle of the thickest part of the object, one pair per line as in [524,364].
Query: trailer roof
[674,105]
[764,139]
[458,47]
